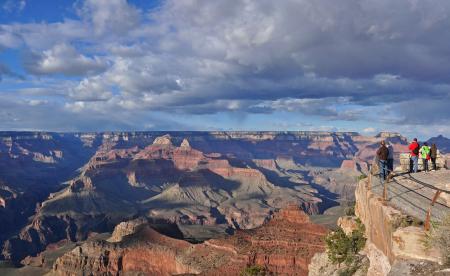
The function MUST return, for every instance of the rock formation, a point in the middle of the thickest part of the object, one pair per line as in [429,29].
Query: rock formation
[284,246]
[397,242]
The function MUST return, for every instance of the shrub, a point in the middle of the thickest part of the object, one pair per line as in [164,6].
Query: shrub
[342,248]
[361,177]
[254,270]
[349,207]
[360,263]
[350,211]
[405,221]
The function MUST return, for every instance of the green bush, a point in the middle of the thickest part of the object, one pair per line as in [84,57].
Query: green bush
[360,263]
[254,270]
[405,221]
[350,211]
[361,177]
[342,248]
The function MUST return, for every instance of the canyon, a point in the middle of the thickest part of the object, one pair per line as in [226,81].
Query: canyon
[68,188]
[135,245]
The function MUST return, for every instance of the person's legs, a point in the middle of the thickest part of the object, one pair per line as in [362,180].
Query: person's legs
[411,165]
[383,167]
[380,166]
[433,161]
[416,163]
[425,164]
[390,165]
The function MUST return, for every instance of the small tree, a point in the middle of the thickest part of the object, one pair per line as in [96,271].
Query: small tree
[343,248]
[254,270]
[338,245]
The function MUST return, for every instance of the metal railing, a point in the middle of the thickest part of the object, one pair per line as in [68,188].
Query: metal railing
[392,174]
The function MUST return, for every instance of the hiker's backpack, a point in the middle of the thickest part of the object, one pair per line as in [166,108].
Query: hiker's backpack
[416,149]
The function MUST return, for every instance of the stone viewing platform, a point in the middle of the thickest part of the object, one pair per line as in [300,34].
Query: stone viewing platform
[398,213]
[398,241]
[413,193]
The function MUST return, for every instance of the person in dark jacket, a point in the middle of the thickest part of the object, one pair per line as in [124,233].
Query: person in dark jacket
[382,155]
[433,155]
[390,161]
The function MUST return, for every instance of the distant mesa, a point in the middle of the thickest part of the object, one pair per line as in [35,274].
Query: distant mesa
[349,165]
[165,140]
[387,134]
[185,144]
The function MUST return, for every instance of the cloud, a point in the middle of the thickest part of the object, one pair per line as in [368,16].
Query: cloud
[373,60]
[106,16]
[18,114]
[91,89]
[369,130]
[9,39]
[64,59]
[11,6]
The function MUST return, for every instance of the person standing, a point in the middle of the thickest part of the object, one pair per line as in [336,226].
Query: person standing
[390,160]
[425,154]
[433,155]
[382,155]
[414,152]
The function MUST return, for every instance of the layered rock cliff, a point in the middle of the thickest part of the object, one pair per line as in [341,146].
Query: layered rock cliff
[284,246]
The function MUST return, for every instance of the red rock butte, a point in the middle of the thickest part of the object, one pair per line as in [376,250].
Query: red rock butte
[284,245]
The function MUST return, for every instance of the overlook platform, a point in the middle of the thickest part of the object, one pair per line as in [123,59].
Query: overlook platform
[412,194]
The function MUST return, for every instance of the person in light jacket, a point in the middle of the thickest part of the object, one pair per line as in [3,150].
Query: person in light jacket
[425,155]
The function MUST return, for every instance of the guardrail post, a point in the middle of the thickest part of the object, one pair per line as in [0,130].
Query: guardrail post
[385,191]
[428,218]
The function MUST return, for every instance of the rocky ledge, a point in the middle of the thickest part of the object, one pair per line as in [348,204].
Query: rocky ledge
[397,241]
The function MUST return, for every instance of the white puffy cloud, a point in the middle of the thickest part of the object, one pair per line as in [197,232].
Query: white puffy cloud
[91,89]
[64,59]
[107,16]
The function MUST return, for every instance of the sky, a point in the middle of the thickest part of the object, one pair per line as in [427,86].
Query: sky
[348,65]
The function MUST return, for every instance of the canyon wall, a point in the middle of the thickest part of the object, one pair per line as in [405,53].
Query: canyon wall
[283,246]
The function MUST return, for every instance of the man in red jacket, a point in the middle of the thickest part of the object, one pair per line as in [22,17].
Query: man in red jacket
[414,148]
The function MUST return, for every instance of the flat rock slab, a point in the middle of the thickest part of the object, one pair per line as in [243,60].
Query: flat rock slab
[409,193]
